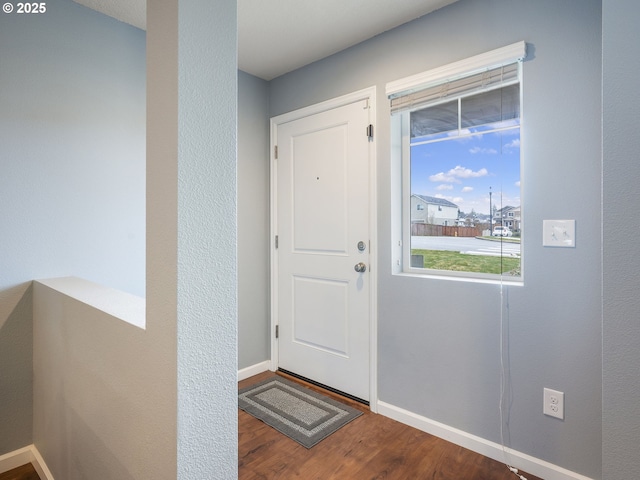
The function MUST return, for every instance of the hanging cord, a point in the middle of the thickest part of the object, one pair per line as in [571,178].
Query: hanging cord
[504,380]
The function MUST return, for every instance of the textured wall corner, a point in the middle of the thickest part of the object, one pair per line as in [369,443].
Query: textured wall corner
[620,251]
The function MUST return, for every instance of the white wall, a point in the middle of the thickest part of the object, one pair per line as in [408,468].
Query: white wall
[621,259]
[72,181]
[72,129]
[104,390]
[443,363]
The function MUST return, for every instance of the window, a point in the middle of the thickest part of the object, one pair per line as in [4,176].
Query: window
[456,132]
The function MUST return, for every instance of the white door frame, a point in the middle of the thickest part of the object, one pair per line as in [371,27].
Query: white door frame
[365,94]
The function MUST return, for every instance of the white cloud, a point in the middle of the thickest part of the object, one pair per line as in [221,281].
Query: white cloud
[455,174]
[464,135]
[445,186]
[443,177]
[488,151]
[456,200]
[517,184]
[467,189]
[515,143]
[462,172]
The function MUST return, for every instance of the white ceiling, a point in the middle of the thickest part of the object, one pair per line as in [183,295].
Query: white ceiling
[278,36]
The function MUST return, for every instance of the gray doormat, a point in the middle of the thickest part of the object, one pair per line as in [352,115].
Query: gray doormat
[300,413]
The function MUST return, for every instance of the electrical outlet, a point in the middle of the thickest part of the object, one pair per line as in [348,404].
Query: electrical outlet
[553,403]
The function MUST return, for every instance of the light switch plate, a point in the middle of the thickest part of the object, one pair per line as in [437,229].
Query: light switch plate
[559,233]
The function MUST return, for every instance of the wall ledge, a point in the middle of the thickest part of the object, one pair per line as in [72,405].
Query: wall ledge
[121,305]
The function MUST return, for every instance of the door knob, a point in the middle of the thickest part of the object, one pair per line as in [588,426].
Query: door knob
[360,267]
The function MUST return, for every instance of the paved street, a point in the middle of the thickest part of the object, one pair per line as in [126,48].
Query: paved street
[470,245]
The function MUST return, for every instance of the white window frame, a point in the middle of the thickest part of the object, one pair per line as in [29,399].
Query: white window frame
[400,159]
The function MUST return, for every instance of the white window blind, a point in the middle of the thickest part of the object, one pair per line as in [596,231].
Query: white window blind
[487,80]
[487,71]
[493,107]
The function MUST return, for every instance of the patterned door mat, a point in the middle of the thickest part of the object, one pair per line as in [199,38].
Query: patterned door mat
[298,412]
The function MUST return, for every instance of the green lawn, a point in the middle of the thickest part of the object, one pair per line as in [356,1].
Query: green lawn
[502,239]
[458,262]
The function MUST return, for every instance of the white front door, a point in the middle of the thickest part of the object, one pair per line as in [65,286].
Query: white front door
[323,228]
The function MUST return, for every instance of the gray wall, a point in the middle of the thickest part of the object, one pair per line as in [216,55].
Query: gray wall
[621,259]
[561,293]
[72,182]
[443,363]
[253,221]
[16,369]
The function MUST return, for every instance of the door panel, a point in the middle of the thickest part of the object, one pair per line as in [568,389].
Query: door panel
[319,177]
[320,316]
[322,214]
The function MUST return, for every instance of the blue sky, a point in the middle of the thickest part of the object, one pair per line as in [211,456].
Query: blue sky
[462,169]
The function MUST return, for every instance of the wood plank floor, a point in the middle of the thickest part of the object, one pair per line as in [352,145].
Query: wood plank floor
[25,472]
[370,447]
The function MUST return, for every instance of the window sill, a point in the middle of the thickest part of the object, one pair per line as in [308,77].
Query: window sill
[460,278]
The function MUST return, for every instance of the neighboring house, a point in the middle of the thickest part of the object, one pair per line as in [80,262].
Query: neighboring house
[433,210]
[509,217]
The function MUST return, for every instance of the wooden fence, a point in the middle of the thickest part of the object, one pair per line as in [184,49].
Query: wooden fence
[428,230]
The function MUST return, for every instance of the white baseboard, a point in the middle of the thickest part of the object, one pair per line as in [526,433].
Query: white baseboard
[25,455]
[254,370]
[527,463]
[15,459]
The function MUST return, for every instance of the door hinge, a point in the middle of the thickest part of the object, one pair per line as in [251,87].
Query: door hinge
[276,241]
[277,331]
[370,132]
[275,151]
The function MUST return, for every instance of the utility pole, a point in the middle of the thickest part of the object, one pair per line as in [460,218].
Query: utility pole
[490,215]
